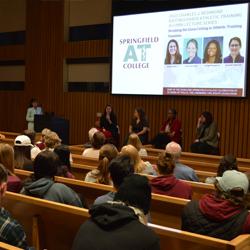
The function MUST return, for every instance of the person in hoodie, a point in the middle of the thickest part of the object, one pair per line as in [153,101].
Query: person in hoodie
[166,183]
[223,214]
[42,184]
[120,224]
[119,168]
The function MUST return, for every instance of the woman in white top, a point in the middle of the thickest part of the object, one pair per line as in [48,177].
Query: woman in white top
[101,174]
[31,112]
[97,141]
[141,167]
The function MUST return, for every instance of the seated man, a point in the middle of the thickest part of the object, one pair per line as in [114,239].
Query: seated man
[42,184]
[181,171]
[11,232]
[166,183]
[223,214]
[120,224]
[119,168]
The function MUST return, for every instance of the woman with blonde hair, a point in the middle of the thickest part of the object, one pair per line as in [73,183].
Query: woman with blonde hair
[7,159]
[101,174]
[135,141]
[52,140]
[141,167]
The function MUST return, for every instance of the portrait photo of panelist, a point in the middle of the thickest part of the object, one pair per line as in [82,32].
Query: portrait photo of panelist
[234,48]
[212,51]
[192,48]
[173,55]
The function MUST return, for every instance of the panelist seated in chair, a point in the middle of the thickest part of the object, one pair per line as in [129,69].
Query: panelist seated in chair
[207,140]
[170,131]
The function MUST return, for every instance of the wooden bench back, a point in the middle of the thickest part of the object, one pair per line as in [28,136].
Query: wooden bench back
[57,225]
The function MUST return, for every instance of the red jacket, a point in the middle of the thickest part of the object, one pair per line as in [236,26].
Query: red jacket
[175,127]
[218,209]
[169,185]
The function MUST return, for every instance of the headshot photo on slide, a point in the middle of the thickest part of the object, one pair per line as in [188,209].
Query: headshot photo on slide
[234,50]
[173,55]
[213,47]
[192,51]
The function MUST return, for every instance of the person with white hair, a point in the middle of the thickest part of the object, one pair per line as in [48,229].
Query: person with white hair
[181,171]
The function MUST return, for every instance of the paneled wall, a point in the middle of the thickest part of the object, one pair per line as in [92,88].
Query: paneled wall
[45,51]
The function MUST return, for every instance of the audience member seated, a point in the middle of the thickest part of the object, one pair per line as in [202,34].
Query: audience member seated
[108,125]
[2,136]
[223,214]
[91,134]
[141,167]
[119,168]
[22,154]
[166,183]
[134,140]
[228,162]
[34,150]
[42,184]
[139,125]
[64,168]
[51,140]
[206,141]
[101,174]
[181,171]
[97,142]
[120,224]
[14,184]
[170,131]
[41,144]
[11,232]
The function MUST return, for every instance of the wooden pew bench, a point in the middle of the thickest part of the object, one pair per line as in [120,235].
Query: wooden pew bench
[53,226]
[178,240]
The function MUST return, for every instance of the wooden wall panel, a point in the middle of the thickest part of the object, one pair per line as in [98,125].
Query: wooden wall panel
[12,52]
[45,52]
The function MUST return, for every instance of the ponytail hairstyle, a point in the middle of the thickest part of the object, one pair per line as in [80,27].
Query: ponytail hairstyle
[107,153]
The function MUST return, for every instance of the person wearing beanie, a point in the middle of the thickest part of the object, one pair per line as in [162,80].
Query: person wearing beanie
[42,183]
[166,183]
[120,224]
[223,214]
[119,168]
[181,171]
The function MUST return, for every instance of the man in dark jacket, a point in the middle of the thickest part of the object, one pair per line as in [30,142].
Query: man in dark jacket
[223,214]
[120,224]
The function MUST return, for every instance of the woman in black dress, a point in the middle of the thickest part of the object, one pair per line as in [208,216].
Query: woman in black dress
[139,125]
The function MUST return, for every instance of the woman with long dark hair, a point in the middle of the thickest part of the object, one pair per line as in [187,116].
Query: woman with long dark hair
[206,141]
[173,55]
[139,125]
[212,52]
[108,124]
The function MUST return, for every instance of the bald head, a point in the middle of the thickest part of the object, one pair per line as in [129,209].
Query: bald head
[174,149]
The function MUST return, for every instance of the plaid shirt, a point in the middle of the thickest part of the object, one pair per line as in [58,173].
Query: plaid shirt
[11,232]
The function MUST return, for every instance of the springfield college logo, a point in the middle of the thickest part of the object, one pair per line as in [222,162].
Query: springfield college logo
[136,52]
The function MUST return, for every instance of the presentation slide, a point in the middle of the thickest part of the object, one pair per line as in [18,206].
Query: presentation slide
[191,52]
